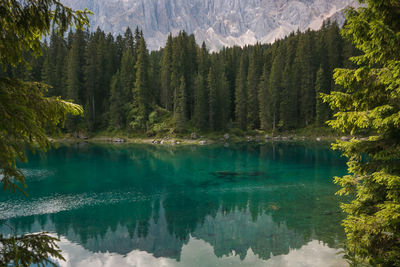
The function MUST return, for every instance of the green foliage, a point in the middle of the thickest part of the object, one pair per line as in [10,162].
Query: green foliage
[200,105]
[321,87]
[24,23]
[84,68]
[180,106]
[26,115]
[23,250]
[241,94]
[26,119]
[166,70]
[371,103]
[142,94]
[252,91]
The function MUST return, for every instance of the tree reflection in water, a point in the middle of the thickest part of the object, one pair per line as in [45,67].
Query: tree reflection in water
[262,199]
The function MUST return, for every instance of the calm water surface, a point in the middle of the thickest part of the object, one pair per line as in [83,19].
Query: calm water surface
[144,205]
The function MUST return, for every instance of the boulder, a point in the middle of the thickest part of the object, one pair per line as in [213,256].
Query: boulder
[284,138]
[118,140]
[203,142]
[318,139]
[267,137]
[249,138]
[345,138]
[82,135]
[226,136]
[193,136]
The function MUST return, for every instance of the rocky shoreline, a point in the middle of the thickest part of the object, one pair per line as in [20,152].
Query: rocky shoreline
[194,139]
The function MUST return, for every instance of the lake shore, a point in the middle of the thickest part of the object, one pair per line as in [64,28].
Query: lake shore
[197,140]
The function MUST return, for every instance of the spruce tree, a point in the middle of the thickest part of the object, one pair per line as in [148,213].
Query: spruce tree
[166,72]
[321,86]
[179,113]
[241,94]
[201,102]
[91,82]
[127,75]
[117,100]
[275,88]
[142,94]
[74,74]
[263,98]
[289,105]
[224,106]
[370,104]
[252,93]
[304,63]
[213,99]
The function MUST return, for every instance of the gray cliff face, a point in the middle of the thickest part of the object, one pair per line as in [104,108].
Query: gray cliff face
[217,22]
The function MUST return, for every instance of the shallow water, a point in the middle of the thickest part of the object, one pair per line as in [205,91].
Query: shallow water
[145,205]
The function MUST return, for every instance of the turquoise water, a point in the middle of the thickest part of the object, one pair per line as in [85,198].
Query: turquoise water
[148,205]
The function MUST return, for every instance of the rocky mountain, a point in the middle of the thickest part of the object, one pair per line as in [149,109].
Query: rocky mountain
[217,22]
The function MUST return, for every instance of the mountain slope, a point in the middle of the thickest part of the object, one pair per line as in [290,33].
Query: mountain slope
[217,22]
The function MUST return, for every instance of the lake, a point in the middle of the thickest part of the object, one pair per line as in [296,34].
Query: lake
[154,205]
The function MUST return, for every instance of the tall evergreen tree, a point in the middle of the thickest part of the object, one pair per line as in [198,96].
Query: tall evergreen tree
[166,72]
[75,88]
[212,81]
[321,86]
[224,97]
[263,98]
[305,78]
[117,100]
[180,114]
[275,88]
[201,102]
[290,92]
[241,94]
[252,92]
[142,94]
[371,104]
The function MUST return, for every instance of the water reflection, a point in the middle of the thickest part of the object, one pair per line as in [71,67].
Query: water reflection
[200,253]
[162,205]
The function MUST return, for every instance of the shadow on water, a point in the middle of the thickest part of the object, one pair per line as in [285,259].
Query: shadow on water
[155,198]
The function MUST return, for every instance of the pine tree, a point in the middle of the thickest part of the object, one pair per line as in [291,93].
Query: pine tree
[305,78]
[252,93]
[142,94]
[370,104]
[241,94]
[201,103]
[75,64]
[275,88]
[117,100]
[128,41]
[74,74]
[224,97]
[290,92]
[213,99]
[180,114]
[166,72]
[127,75]
[321,86]
[263,98]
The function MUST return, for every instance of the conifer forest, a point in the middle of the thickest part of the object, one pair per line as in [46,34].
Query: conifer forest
[124,87]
